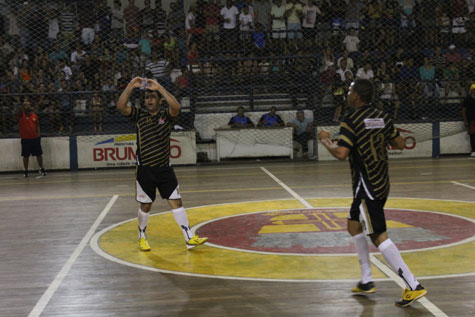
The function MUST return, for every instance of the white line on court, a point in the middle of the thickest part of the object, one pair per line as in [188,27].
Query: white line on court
[287,188]
[46,297]
[464,185]
[387,271]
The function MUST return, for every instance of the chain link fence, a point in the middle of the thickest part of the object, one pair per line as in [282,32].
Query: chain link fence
[73,58]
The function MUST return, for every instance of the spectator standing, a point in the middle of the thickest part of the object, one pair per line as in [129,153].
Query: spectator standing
[353,13]
[212,12]
[309,13]
[147,17]
[293,11]
[246,24]
[176,16]
[262,10]
[229,14]
[30,136]
[270,119]
[278,20]
[240,120]
[117,23]
[97,107]
[131,17]
[468,111]
[302,131]
[351,43]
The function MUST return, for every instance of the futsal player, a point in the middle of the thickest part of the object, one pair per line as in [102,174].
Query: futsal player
[154,171]
[364,136]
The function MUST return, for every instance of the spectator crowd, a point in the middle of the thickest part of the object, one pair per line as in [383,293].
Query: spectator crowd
[73,57]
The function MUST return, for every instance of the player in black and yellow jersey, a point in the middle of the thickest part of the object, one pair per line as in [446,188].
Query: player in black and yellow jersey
[154,171]
[365,135]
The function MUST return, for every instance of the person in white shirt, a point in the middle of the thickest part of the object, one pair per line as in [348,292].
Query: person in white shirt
[387,96]
[365,72]
[246,23]
[351,41]
[309,13]
[278,20]
[349,60]
[293,11]
[343,69]
[229,14]
[190,23]
[78,55]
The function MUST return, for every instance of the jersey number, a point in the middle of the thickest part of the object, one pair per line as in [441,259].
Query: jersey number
[377,147]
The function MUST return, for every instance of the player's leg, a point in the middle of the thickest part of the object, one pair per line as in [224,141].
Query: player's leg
[169,190]
[145,195]
[355,229]
[38,152]
[25,153]
[374,210]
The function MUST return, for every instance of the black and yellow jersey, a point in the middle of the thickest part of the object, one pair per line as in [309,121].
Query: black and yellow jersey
[153,136]
[367,131]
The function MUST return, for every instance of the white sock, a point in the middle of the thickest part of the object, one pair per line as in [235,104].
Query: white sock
[143,222]
[362,248]
[393,257]
[182,221]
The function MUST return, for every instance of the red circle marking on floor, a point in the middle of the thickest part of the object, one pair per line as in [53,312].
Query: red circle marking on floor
[323,231]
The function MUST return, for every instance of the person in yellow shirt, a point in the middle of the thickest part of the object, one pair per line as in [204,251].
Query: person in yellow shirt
[293,12]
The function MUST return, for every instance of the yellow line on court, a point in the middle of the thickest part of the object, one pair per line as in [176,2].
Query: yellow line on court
[223,190]
[315,170]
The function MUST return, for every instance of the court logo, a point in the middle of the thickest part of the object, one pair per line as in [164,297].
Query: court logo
[323,231]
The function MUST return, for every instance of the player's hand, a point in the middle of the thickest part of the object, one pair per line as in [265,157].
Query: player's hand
[153,85]
[136,82]
[323,134]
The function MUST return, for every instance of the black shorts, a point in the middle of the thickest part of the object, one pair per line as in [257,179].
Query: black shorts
[31,147]
[150,178]
[370,213]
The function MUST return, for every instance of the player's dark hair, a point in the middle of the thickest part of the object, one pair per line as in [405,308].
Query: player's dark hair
[364,88]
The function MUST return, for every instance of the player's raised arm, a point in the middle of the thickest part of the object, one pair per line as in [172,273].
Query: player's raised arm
[124,97]
[174,105]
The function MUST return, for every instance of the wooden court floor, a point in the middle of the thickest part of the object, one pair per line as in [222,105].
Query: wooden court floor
[68,242]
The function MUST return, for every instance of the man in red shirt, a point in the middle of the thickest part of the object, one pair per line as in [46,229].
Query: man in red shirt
[30,135]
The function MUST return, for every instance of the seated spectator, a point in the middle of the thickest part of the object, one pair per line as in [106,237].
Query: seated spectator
[77,56]
[349,60]
[388,96]
[302,132]
[452,56]
[451,79]
[240,120]
[343,69]
[270,119]
[365,72]
[427,72]
[182,82]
